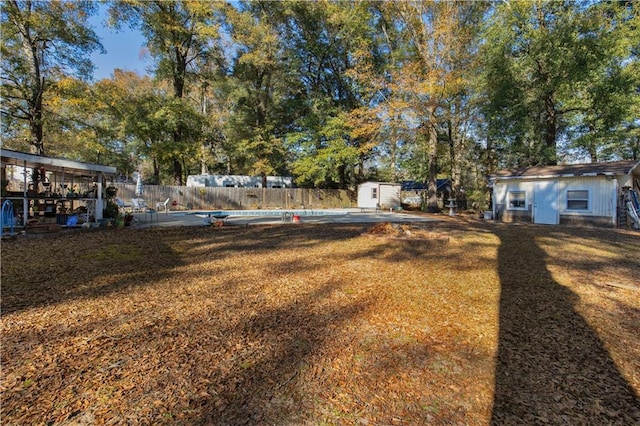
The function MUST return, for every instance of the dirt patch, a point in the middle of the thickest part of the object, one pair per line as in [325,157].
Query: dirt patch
[395,231]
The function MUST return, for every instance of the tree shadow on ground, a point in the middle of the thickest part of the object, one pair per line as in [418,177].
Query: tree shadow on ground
[231,360]
[551,365]
[233,239]
[273,347]
[81,266]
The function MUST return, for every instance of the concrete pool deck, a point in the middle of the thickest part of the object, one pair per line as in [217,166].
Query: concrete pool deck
[145,220]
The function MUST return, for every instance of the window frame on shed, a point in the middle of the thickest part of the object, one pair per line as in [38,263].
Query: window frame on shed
[579,201]
[510,205]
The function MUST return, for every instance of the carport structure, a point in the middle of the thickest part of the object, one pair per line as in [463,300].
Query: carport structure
[44,188]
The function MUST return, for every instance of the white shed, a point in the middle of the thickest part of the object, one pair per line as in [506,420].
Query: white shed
[379,195]
[565,194]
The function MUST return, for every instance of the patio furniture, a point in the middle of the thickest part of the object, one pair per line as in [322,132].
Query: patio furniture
[122,206]
[163,205]
[151,213]
[138,205]
[7,220]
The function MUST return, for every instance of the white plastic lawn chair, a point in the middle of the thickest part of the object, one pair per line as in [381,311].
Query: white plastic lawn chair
[163,206]
[139,206]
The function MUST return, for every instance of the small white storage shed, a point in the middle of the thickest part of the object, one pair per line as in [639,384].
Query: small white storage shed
[379,195]
[565,194]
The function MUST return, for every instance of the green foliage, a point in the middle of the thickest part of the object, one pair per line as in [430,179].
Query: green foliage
[332,92]
[111,210]
[262,92]
[183,38]
[557,71]
[40,43]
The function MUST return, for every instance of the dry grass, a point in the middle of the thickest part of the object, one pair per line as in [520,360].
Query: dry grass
[460,323]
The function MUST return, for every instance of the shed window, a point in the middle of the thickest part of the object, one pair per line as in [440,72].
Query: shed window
[578,200]
[517,200]
[374,193]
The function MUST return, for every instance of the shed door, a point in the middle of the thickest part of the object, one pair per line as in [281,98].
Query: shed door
[389,196]
[545,202]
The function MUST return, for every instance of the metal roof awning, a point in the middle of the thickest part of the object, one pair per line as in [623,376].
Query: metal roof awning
[53,164]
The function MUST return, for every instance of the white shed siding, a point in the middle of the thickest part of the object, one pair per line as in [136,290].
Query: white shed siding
[387,195]
[390,195]
[502,189]
[601,190]
[365,199]
[582,193]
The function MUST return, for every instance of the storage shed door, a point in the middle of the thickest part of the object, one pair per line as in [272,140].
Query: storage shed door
[545,202]
[389,195]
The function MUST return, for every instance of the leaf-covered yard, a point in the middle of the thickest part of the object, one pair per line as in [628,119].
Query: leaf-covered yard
[463,322]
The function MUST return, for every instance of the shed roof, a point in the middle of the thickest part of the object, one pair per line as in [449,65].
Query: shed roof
[22,159]
[379,183]
[615,168]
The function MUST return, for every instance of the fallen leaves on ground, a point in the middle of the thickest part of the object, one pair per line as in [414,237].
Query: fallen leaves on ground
[407,232]
[321,324]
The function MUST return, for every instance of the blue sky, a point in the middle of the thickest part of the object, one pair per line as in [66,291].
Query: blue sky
[124,49]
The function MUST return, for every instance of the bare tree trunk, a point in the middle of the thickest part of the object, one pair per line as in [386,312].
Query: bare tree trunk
[35,103]
[205,146]
[393,165]
[550,122]
[453,158]
[342,176]
[177,171]
[432,152]
[156,171]
[36,129]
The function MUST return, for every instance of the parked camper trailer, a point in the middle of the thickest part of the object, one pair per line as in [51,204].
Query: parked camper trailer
[238,181]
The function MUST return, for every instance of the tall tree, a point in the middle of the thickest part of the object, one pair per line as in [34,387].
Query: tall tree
[322,37]
[214,101]
[607,126]
[263,89]
[553,67]
[129,106]
[181,35]
[74,122]
[425,41]
[41,42]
